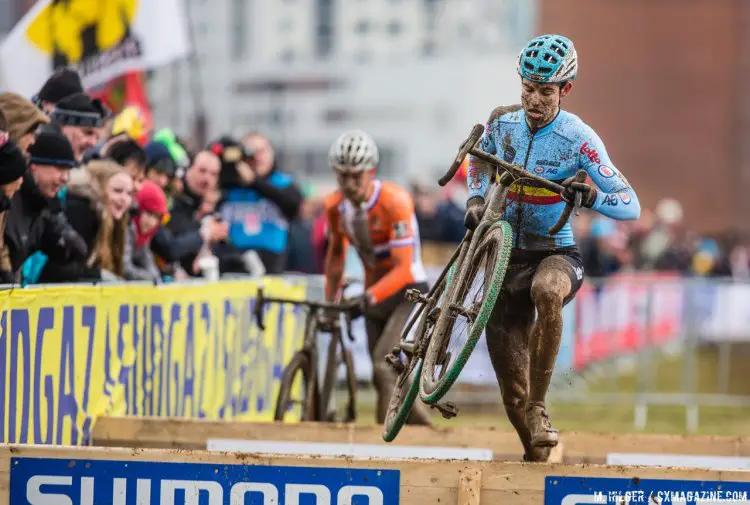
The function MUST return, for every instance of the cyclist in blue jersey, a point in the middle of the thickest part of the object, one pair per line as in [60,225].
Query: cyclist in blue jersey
[545,271]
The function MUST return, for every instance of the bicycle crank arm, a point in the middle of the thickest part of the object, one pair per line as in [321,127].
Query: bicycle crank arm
[394,361]
[415,296]
[448,410]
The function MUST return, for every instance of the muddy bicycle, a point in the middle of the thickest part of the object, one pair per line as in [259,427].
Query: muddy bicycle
[443,331]
[315,401]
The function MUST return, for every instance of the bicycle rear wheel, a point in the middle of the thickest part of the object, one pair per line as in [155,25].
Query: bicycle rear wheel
[456,335]
[406,389]
[298,379]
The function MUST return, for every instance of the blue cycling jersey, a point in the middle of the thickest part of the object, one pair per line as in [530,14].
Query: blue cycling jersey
[554,152]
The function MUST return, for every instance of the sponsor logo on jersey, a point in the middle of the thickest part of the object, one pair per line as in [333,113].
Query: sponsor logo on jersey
[590,153]
[509,152]
[610,200]
[605,171]
[549,163]
[625,197]
[539,170]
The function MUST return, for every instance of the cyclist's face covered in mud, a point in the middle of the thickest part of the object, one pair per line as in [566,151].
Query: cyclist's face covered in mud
[355,186]
[541,102]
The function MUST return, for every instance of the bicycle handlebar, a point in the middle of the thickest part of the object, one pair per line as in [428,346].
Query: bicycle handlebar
[347,309]
[469,147]
[465,149]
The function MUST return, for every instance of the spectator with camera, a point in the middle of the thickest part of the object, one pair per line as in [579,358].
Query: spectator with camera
[185,234]
[258,200]
[35,219]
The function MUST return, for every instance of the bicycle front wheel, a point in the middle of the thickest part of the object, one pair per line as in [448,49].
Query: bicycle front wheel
[297,389]
[406,389]
[458,331]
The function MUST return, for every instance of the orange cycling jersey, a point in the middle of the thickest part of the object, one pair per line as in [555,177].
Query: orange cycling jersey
[392,260]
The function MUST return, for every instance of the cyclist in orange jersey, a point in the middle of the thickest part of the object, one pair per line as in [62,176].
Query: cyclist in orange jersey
[377,218]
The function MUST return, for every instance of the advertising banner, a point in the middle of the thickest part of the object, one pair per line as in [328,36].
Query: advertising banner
[71,354]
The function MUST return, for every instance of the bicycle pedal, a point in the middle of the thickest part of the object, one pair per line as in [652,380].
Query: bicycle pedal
[395,362]
[448,410]
[414,295]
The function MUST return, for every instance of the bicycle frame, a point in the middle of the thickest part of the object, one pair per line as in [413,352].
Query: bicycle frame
[313,325]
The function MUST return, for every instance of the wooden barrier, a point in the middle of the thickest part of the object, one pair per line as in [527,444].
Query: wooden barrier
[444,482]
[578,447]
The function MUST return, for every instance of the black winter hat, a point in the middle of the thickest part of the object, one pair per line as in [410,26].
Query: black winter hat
[64,82]
[12,162]
[51,147]
[79,110]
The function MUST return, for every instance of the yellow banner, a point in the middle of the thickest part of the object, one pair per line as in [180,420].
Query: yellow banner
[71,354]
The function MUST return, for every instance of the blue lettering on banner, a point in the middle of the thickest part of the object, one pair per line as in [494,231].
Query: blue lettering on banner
[44,481]
[587,490]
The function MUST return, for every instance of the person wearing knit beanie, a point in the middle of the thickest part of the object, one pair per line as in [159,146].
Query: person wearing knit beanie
[23,118]
[160,166]
[12,168]
[62,83]
[80,117]
[51,157]
[152,213]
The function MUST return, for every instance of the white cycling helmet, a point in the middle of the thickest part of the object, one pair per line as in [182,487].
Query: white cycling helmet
[353,152]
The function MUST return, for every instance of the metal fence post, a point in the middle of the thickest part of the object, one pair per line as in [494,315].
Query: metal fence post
[690,367]
[645,365]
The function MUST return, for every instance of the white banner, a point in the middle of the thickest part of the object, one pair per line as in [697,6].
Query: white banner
[103,39]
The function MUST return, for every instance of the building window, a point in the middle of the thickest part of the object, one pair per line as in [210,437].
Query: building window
[395,27]
[285,24]
[428,48]
[287,55]
[363,56]
[363,27]
[238,30]
[324,22]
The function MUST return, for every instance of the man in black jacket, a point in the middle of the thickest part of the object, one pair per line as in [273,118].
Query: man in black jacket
[35,219]
[184,235]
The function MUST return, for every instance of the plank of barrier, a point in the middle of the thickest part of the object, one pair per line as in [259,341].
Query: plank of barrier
[578,447]
[383,451]
[161,433]
[85,475]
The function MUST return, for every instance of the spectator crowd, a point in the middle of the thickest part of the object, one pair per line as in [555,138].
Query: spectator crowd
[88,196]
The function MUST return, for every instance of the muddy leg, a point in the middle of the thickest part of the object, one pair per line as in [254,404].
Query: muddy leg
[507,342]
[549,288]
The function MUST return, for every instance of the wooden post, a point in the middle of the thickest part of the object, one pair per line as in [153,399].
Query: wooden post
[469,486]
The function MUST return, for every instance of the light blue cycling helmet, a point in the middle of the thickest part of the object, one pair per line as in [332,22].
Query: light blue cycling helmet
[548,59]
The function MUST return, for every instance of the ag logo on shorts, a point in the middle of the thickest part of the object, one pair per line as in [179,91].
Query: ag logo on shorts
[88,34]
[625,197]
[605,171]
